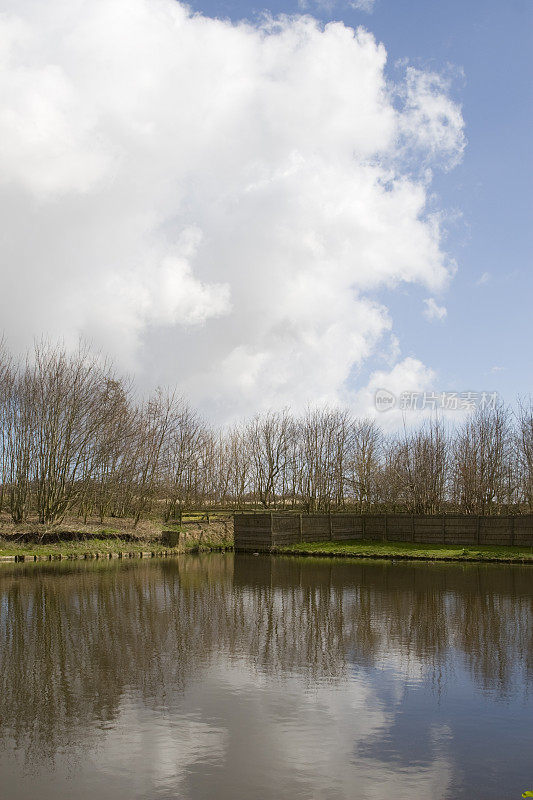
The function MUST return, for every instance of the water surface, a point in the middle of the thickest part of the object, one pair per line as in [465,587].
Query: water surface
[265,678]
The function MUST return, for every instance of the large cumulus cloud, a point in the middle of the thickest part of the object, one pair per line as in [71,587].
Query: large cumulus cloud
[213,203]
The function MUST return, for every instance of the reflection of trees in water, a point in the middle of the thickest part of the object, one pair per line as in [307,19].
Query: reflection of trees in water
[426,617]
[73,644]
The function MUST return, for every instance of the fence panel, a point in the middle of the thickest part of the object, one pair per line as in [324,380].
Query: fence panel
[315,527]
[252,531]
[346,526]
[285,529]
[262,531]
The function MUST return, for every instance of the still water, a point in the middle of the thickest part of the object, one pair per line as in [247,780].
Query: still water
[258,678]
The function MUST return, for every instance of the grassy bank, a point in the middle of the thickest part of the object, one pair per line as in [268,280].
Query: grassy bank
[116,537]
[105,546]
[407,550]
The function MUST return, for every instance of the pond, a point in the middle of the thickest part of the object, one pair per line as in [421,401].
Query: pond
[265,678]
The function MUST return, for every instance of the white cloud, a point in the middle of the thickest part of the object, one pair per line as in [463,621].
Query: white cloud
[433,311]
[407,376]
[327,5]
[212,202]
[431,121]
[363,5]
[483,279]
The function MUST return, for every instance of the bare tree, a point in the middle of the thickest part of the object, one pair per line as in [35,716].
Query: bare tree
[73,440]
[73,398]
[481,461]
[422,464]
[154,421]
[524,449]
[7,383]
[364,462]
[112,469]
[236,464]
[324,444]
[268,438]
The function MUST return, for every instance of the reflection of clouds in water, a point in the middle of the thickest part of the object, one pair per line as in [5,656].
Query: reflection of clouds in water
[401,664]
[237,732]
[163,745]
[306,739]
[297,679]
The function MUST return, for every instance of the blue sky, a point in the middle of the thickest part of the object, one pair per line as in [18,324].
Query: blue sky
[485,341]
[268,214]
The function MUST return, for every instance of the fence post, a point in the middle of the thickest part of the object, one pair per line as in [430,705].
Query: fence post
[363,527]
[412,527]
[330,528]
[300,527]
[513,523]
[478,527]
[271,529]
[386,528]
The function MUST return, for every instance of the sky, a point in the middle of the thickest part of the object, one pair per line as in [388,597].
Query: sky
[274,205]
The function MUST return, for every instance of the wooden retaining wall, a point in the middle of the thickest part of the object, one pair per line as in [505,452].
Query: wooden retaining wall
[263,531]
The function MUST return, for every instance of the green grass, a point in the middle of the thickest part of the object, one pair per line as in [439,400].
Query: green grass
[361,549]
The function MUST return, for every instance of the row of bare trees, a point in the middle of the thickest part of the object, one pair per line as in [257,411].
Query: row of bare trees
[75,440]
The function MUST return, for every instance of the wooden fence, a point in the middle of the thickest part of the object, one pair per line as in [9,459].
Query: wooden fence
[264,531]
